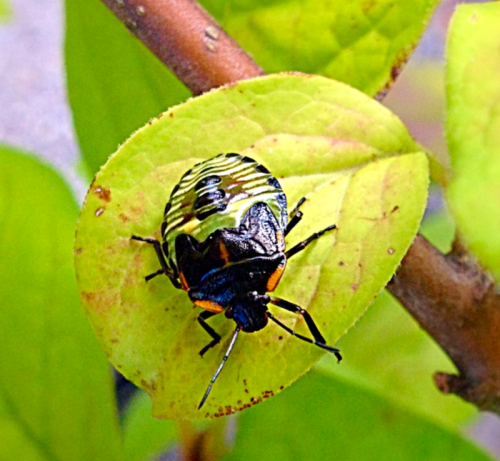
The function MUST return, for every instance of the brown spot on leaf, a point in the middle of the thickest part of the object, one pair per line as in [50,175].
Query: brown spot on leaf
[396,69]
[78,251]
[396,208]
[99,212]
[368,5]
[354,286]
[115,340]
[124,218]
[88,296]
[341,263]
[103,193]
[98,301]
[390,251]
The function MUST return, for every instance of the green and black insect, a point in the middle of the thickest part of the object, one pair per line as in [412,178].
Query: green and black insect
[223,243]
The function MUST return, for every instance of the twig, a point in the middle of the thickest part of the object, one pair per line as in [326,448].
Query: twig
[188,41]
[450,296]
[453,299]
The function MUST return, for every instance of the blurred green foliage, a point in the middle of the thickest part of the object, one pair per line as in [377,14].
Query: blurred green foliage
[323,416]
[5,11]
[473,128]
[56,393]
[115,85]
[359,42]
[56,399]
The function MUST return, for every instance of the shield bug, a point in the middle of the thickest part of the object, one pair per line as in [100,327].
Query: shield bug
[223,242]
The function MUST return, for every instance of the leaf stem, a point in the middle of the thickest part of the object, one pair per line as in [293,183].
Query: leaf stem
[203,445]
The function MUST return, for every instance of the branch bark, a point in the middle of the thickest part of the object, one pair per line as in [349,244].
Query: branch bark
[450,296]
[455,301]
[188,41]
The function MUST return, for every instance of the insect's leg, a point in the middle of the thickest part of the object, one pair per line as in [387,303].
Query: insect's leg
[300,246]
[205,315]
[319,340]
[161,257]
[215,376]
[152,276]
[295,216]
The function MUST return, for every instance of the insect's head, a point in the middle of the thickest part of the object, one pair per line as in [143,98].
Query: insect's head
[249,311]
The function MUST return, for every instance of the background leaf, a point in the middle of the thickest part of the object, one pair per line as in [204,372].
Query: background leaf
[345,157]
[350,423]
[362,43]
[145,437]
[473,128]
[56,393]
[115,84]
[5,10]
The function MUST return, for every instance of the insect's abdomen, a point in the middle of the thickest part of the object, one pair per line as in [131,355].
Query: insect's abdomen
[216,194]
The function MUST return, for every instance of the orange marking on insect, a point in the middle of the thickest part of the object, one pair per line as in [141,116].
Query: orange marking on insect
[224,253]
[281,240]
[184,284]
[209,306]
[273,281]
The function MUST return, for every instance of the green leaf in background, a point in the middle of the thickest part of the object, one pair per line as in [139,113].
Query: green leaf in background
[56,391]
[115,84]
[357,165]
[359,42]
[145,437]
[5,11]
[473,128]
[398,361]
[350,423]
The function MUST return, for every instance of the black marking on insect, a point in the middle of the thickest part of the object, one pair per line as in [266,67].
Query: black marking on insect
[224,244]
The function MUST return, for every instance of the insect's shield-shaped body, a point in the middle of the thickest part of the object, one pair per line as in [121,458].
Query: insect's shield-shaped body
[223,232]
[223,243]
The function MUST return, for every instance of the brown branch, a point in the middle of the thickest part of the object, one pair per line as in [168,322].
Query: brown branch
[188,41]
[457,304]
[450,296]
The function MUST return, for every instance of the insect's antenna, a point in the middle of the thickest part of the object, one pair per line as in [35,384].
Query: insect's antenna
[216,375]
[303,338]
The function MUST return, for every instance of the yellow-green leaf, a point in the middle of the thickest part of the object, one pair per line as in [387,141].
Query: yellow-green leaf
[351,157]
[473,128]
[360,42]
